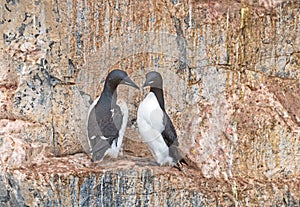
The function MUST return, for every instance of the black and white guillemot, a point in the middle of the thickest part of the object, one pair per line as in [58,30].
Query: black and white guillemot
[156,127]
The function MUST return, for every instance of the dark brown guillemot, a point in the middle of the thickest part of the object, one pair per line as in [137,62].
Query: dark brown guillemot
[107,118]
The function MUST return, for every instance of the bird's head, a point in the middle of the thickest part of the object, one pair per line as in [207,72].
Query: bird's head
[117,77]
[154,80]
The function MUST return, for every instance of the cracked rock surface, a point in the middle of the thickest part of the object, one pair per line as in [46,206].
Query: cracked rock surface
[231,73]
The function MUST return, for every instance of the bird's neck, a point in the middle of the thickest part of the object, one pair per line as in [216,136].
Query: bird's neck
[160,96]
[111,93]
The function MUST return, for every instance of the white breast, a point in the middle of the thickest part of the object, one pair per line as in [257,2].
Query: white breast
[150,123]
[150,111]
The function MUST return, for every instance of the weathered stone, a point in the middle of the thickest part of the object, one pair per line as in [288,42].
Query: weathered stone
[4,196]
[231,79]
[75,181]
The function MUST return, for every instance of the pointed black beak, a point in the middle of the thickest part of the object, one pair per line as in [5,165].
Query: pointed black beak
[148,83]
[129,82]
[145,84]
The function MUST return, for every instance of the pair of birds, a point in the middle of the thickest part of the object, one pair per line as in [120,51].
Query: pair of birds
[107,120]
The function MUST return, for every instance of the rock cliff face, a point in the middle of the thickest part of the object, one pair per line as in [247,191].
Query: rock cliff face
[231,78]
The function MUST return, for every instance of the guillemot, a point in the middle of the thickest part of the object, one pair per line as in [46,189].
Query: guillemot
[107,118]
[156,127]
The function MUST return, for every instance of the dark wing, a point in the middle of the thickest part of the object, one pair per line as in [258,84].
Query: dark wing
[169,134]
[103,128]
[170,137]
[117,117]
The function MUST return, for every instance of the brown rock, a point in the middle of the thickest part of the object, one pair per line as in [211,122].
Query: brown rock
[231,79]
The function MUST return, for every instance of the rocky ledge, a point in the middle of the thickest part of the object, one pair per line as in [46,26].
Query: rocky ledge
[129,181]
